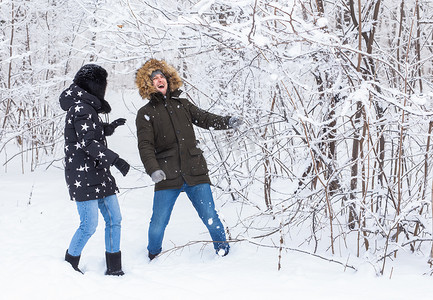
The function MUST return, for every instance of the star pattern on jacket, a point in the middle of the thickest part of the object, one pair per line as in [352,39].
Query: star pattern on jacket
[87,157]
[84,127]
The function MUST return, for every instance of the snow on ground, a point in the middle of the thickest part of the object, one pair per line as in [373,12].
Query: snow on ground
[37,222]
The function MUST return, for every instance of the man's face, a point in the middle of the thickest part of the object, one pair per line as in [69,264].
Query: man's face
[160,83]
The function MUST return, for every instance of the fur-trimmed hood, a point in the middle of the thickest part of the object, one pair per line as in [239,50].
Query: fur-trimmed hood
[144,84]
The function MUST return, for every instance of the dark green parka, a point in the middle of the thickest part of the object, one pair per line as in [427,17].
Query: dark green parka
[166,138]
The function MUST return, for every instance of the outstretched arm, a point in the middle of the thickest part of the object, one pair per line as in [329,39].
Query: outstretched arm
[205,119]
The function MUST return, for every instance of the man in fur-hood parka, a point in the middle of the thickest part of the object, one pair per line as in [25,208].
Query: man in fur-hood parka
[87,164]
[145,85]
[168,149]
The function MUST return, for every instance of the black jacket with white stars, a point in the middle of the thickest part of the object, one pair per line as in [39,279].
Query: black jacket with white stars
[87,158]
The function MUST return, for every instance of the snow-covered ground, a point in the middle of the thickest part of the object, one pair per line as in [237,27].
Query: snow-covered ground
[37,222]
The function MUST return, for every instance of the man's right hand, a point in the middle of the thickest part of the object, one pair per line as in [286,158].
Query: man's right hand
[158,176]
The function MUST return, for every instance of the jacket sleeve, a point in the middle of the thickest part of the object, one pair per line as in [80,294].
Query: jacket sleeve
[146,142]
[86,130]
[205,119]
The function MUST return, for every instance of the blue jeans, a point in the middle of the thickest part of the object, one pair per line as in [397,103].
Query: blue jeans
[202,200]
[88,211]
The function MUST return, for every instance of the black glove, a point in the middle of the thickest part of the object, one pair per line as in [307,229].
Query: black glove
[122,166]
[118,122]
[109,128]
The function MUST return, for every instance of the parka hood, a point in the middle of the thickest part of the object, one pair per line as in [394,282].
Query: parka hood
[75,94]
[92,78]
[144,83]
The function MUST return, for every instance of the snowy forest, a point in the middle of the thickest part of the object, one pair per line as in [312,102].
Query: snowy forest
[334,158]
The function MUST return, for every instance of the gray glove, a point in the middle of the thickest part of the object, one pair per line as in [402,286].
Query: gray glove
[235,122]
[158,176]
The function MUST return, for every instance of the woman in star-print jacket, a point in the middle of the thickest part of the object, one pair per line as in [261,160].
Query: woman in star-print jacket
[87,164]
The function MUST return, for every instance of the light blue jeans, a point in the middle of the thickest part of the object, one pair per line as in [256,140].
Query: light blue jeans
[202,200]
[88,211]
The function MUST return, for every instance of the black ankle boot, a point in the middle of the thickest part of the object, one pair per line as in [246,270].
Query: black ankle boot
[152,256]
[74,261]
[114,264]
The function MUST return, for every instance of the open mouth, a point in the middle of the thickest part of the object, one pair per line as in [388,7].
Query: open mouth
[161,86]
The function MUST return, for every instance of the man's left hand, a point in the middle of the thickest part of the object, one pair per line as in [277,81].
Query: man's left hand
[235,122]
